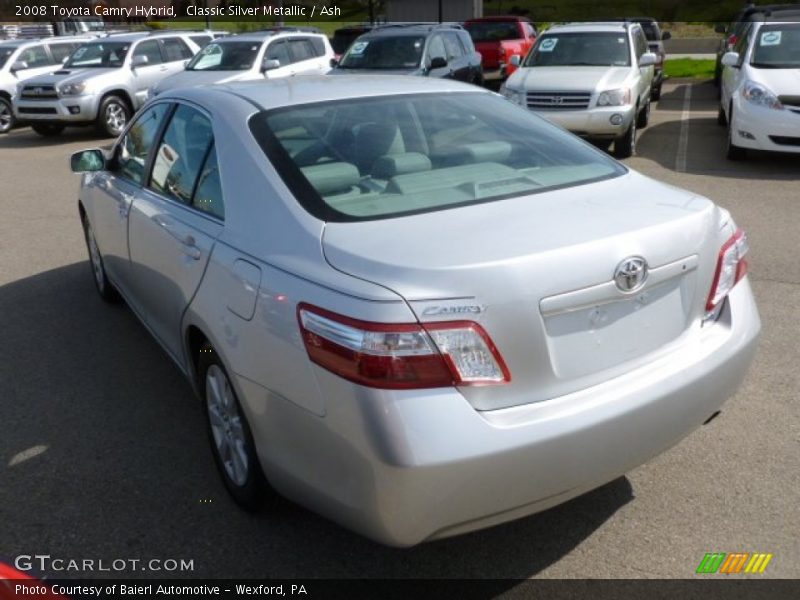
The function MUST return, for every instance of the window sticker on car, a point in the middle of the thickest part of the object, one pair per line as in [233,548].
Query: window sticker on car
[771,38]
[359,47]
[548,45]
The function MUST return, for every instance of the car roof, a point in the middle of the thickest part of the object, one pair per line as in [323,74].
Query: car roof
[606,26]
[290,91]
[395,29]
[500,18]
[22,42]
[260,36]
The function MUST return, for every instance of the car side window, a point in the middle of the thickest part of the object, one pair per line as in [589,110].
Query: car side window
[742,44]
[134,148]
[278,51]
[175,49]
[208,195]
[301,50]
[180,155]
[436,48]
[318,45]
[200,40]
[453,46]
[639,43]
[61,51]
[150,49]
[35,56]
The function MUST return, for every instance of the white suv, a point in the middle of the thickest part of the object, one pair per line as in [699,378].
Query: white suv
[23,59]
[268,54]
[593,79]
[760,99]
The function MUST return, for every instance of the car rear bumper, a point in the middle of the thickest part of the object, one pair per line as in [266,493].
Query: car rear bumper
[593,122]
[402,467]
[70,109]
[761,128]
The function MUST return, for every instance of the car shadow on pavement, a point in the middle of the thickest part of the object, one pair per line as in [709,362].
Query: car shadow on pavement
[104,455]
[25,137]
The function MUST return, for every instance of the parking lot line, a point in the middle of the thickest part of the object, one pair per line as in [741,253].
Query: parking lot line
[683,140]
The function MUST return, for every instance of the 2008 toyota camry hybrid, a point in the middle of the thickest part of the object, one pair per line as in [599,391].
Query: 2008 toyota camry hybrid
[411,305]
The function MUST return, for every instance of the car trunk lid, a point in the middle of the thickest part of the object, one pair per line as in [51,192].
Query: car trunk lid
[537,273]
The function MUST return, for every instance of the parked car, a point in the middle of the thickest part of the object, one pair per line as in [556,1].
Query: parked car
[409,304]
[103,82]
[498,39]
[21,60]
[594,79]
[444,51]
[254,56]
[744,17]
[760,92]
[655,41]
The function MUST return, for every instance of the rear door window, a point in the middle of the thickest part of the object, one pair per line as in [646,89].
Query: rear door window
[301,50]
[175,49]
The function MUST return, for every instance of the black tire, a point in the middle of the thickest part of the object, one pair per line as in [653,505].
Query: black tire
[722,120]
[7,120]
[112,116]
[655,95]
[734,152]
[643,118]
[104,287]
[252,491]
[625,146]
[47,129]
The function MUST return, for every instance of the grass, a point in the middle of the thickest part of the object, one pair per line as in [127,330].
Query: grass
[689,67]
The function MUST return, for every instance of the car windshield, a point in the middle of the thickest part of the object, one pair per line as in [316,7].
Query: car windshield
[225,56]
[777,46]
[492,31]
[5,53]
[399,52]
[594,49]
[376,158]
[99,55]
[342,38]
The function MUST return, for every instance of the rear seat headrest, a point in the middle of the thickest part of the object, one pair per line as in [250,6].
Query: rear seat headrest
[390,165]
[330,178]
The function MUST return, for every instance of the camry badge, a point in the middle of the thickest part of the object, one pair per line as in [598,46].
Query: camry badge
[631,274]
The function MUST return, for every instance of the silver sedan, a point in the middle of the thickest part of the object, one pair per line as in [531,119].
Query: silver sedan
[411,305]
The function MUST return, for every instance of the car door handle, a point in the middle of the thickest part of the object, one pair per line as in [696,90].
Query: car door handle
[186,240]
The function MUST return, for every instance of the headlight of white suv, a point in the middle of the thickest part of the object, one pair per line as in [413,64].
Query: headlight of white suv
[517,97]
[72,89]
[760,95]
[619,97]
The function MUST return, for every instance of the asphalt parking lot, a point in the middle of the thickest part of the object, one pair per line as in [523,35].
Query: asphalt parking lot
[103,452]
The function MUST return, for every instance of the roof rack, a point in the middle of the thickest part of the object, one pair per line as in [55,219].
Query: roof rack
[421,24]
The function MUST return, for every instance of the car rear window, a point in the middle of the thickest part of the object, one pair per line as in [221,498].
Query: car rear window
[377,158]
[493,31]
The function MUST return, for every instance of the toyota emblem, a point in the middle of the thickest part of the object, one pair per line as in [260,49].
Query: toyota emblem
[631,274]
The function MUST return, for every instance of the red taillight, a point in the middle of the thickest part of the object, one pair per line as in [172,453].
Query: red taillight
[731,267]
[401,356]
[732,39]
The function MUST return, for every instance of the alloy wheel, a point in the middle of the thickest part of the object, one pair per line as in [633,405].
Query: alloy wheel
[227,427]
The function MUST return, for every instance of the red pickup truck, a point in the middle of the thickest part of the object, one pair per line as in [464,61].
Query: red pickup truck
[498,39]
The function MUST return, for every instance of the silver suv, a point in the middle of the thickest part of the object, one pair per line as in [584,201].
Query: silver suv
[103,82]
[594,79]
[22,59]
[268,54]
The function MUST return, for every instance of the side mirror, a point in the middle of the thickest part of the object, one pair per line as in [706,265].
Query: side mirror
[666,36]
[139,61]
[269,64]
[438,62]
[515,60]
[719,28]
[334,63]
[730,59]
[20,65]
[647,59]
[87,161]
